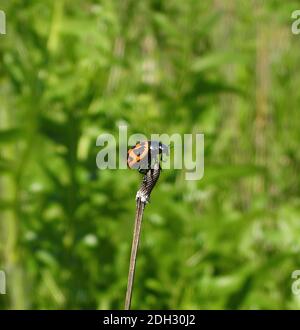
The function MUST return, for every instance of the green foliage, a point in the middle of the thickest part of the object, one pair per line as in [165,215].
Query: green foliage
[71,70]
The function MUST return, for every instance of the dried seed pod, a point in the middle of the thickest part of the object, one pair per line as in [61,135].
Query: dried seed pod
[149,181]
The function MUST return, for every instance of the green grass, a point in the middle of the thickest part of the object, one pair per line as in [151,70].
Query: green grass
[71,70]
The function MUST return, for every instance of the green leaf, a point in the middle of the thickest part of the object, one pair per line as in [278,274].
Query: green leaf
[6,165]
[6,205]
[10,135]
[221,173]
[215,60]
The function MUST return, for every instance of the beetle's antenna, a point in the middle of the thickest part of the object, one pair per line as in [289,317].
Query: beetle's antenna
[142,198]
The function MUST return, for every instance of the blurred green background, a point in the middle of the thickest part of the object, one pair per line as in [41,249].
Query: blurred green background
[71,70]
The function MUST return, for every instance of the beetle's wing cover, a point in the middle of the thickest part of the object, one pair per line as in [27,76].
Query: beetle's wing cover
[138,155]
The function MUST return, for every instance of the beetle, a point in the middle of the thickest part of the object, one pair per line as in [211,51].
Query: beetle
[140,156]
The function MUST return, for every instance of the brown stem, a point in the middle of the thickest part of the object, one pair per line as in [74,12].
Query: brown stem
[135,244]
[142,198]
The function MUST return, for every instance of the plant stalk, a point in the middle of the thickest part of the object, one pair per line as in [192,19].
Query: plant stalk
[142,198]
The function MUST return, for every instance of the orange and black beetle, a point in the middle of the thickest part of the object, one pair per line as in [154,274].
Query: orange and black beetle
[141,155]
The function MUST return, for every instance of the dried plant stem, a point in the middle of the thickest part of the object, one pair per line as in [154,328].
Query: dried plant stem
[135,244]
[142,198]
